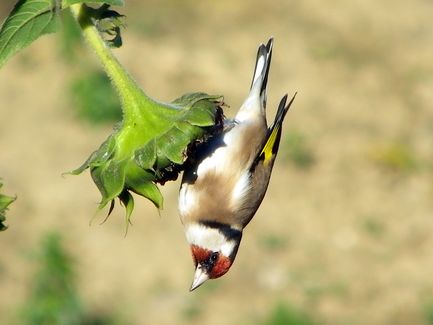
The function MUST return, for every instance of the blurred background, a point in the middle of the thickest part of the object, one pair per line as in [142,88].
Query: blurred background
[345,234]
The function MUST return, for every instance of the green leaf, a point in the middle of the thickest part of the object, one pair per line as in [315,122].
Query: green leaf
[67,3]
[188,100]
[135,175]
[139,181]
[146,156]
[98,157]
[5,201]
[150,191]
[128,202]
[173,143]
[29,20]
[199,108]
[110,179]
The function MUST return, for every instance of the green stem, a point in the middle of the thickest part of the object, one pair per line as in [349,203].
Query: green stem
[130,93]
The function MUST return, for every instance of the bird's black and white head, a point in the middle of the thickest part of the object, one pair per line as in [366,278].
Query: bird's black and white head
[213,246]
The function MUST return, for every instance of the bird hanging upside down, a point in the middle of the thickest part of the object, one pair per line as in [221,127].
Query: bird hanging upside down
[224,185]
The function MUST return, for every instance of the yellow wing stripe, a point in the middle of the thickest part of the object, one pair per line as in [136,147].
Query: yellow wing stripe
[268,148]
[272,142]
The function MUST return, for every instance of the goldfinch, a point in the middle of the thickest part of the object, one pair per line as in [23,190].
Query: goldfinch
[224,184]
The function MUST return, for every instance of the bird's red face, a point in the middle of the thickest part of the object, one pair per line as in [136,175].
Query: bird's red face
[213,247]
[213,264]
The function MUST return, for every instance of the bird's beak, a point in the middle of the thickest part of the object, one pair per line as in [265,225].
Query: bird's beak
[199,278]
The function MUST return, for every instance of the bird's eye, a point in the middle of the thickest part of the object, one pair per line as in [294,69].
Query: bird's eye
[214,256]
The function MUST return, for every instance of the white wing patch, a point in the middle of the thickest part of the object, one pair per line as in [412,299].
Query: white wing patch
[240,190]
[187,199]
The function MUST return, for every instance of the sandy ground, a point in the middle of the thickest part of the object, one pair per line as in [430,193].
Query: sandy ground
[348,240]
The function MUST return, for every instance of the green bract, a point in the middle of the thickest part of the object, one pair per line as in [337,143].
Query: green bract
[5,201]
[151,148]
